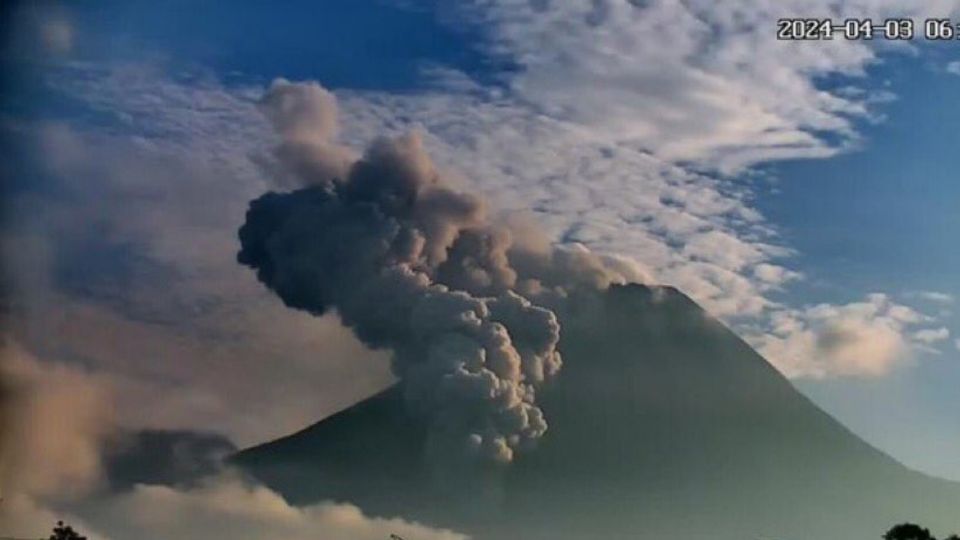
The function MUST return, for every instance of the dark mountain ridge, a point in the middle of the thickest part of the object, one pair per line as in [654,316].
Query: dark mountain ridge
[663,423]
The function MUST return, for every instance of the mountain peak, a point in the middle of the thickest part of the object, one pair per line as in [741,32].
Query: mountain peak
[662,422]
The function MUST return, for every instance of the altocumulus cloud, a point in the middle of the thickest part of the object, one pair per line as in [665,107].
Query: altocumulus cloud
[697,80]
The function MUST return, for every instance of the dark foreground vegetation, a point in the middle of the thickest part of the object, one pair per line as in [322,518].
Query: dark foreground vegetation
[903,531]
[65,532]
[912,531]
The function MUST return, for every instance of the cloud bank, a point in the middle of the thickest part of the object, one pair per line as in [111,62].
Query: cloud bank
[223,507]
[54,421]
[56,429]
[226,507]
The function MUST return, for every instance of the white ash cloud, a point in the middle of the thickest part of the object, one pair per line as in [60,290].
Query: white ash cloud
[305,117]
[414,266]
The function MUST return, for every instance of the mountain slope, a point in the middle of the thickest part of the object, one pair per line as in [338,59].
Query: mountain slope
[663,423]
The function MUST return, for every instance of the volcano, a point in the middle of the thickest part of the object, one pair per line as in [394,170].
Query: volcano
[662,424]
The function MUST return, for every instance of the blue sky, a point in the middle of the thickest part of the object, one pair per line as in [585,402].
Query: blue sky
[762,178]
[885,218]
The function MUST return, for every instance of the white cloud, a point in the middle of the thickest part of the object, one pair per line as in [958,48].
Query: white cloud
[696,80]
[774,275]
[868,338]
[930,336]
[935,297]
[953,67]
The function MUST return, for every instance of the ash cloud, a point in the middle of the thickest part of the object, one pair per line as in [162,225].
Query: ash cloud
[305,117]
[414,266]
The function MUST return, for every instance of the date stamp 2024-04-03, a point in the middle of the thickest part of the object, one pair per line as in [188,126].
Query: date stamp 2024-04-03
[865,29]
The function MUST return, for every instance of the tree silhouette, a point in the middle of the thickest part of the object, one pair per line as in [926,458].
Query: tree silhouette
[953,537]
[65,532]
[908,531]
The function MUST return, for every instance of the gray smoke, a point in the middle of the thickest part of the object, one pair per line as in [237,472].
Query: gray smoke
[416,267]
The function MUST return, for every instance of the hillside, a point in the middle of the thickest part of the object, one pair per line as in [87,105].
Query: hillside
[663,424]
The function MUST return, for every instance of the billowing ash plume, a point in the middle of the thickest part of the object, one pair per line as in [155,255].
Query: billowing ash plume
[411,265]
